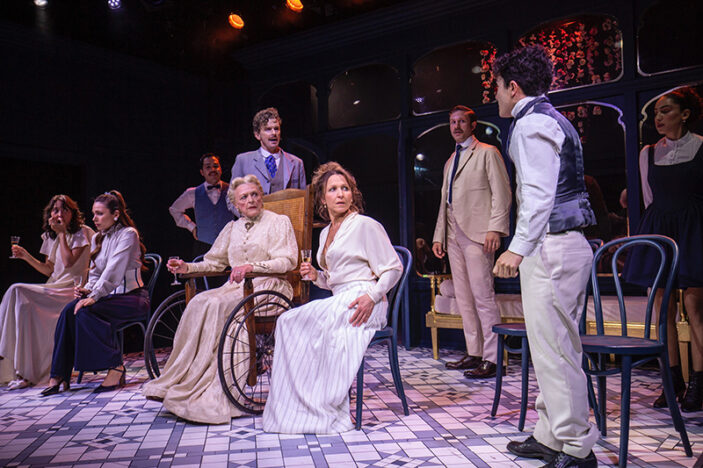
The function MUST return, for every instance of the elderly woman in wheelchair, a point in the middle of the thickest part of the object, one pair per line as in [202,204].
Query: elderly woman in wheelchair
[258,242]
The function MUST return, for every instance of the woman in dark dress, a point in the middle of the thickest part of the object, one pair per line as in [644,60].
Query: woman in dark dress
[672,173]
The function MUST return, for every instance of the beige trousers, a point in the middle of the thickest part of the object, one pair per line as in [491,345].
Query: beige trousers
[472,275]
[553,282]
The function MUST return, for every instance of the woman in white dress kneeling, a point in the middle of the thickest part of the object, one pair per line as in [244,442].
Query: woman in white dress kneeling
[28,312]
[260,241]
[320,345]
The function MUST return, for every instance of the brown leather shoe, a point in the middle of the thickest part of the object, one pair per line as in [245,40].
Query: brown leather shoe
[486,370]
[467,362]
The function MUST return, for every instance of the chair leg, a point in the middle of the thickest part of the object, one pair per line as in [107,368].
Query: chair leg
[625,387]
[524,361]
[668,385]
[359,393]
[499,377]
[592,400]
[395,372]
[601,397]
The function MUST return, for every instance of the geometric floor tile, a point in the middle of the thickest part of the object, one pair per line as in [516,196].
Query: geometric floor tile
[449,425]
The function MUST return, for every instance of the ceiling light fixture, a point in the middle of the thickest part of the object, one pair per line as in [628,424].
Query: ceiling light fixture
[114,4]
[295,5]
[236,21]
[41,3]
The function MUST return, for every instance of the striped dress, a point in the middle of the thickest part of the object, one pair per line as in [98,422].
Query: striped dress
[318,351]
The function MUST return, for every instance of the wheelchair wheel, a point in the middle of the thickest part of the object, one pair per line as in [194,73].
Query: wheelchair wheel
[161,331]
[245,352]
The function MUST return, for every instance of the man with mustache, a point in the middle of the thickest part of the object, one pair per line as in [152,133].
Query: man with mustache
[473,216]
[209,201]
[275,168]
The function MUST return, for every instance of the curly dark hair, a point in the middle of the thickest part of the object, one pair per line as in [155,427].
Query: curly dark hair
[262,117]
[687,98]
[114,201]
[77,218]
[319,183]
[530,67]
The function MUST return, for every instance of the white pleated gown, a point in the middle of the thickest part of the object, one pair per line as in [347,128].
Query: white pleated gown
[318,351]
[189,384]
[29,312]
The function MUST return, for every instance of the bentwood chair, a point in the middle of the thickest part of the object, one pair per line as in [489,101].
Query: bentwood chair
[389,336]
[633,351]
[505,332]
[154,261]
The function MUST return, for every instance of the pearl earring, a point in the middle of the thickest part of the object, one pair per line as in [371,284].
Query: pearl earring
[116,218]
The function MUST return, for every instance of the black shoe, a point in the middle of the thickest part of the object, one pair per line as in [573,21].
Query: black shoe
[693,400]
[54,389]
[563,460]
[467,362]
[530,448]
[679,388]
[486,370]
[109,388]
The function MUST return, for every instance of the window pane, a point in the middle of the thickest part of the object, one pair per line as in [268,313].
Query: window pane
[297,106]
[679,21]
[458,74]
[603,139]
[430,152]
[585,49]
[364,95]
[373,161]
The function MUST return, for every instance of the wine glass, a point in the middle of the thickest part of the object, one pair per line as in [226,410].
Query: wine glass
[14,240]
[175,275]
[305,257]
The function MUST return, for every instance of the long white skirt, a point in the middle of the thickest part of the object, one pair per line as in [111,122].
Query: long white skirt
[189,384]
[317,355]
[28,316]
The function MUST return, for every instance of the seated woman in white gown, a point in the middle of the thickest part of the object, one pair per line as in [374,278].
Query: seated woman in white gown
[320,345]
[28,312]
[260,241]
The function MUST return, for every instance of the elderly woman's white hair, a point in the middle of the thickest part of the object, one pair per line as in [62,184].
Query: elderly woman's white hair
[237,181]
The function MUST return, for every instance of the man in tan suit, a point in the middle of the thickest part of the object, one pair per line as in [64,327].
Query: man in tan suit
[473,215]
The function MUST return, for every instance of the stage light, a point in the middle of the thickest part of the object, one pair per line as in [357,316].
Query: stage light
[236,21]
[41,3]
[295,5]
[114,4]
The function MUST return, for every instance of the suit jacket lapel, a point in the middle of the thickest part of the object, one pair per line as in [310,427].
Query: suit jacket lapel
[287,167]
[469,152]
[260,165]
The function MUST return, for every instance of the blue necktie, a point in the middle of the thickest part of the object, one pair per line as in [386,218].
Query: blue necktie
[457,154]
[271,165]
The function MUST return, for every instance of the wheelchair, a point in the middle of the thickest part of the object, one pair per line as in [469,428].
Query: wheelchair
[245,351]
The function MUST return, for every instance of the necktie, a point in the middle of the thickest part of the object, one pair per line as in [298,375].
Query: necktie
[271,165]
[457,154]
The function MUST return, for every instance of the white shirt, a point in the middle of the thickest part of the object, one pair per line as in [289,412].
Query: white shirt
[187,201]
[463,145]
[116,269]
[535,145]
[50,247]
[360,251]
[667,153]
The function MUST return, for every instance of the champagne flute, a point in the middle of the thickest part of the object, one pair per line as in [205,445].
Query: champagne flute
[305,257]
[14,240]
[175,275]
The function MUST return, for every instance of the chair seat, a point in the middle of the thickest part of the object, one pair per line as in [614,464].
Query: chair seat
[609,344]
[510,329]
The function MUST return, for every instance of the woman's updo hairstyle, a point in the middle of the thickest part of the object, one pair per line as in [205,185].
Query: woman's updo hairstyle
[319,183]
[114,201]
[687,98]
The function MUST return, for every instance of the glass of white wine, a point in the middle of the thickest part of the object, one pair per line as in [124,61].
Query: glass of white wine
[305,257]
[172,261]
[14,240]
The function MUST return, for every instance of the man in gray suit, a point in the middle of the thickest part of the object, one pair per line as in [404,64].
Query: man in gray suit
[275,169]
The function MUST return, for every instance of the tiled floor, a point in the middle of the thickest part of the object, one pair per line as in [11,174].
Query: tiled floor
[449,425]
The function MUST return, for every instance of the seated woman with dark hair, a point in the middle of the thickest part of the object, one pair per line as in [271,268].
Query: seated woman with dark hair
[320,345]
[28,312]
[113,296]
[261,242]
